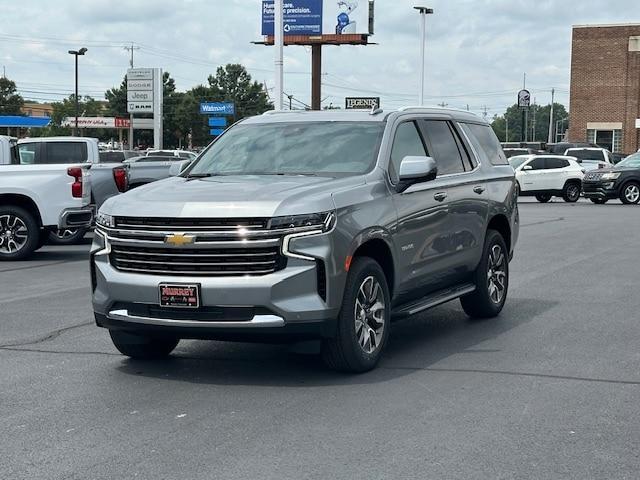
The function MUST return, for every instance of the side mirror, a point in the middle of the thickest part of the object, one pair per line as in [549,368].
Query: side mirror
[416,170]
[527,167]
[178,167]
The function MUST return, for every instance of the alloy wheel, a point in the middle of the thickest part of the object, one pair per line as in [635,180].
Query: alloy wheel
[13,233]
[370,315]
[573,192]
[632,193]
[64,233]
[496,274]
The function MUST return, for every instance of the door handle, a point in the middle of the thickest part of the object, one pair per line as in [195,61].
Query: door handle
[440,196]
[479,190]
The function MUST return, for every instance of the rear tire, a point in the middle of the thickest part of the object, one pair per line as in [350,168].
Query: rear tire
[491,279]
[141,346]
[599,201]
[66,236]
[19,233]
[571,192]
[543,197]
[630,193]
[363,322]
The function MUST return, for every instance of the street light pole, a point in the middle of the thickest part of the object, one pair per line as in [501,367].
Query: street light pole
[76,54]
[424,11]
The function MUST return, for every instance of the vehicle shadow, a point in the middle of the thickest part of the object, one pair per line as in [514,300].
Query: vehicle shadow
[416,343]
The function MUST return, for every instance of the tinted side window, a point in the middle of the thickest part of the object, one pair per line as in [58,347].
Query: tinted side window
[486,143]
[556,163]
[537,164]
[111,157]
[407,142]
[444,147]
[29,153]
[66,152]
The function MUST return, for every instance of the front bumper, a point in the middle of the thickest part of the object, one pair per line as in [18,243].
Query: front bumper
[600,190]
[285,304]
[76,217]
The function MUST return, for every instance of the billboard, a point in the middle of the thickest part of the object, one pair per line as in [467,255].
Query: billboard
[318,17]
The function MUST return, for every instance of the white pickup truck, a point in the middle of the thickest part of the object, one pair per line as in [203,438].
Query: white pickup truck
[39,197]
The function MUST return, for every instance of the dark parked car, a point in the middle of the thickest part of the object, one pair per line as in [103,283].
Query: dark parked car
[622,181]
[116,156]
[560,148]
[514,152]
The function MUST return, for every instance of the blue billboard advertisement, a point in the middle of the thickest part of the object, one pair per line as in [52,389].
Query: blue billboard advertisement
[219,108]
[301,17]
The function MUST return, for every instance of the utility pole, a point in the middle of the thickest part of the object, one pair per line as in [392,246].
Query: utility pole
[443,105]
[484,113]
[533,121]
[506,130]
[131,50]
[424,11]
[279,44]
[550,136]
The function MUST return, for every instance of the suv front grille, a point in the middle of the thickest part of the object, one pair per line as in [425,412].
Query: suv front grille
[209,262]
[192,247]
[593,176]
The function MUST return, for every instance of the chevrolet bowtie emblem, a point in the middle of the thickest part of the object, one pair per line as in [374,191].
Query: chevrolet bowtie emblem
[179,239]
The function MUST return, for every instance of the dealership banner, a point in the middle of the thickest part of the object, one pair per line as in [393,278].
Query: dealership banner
[318,17]
[96,122]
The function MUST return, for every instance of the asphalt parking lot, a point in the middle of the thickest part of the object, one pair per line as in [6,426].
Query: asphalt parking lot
[550,389]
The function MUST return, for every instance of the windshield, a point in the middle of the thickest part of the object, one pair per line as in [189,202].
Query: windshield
[631,161]
[303,148]
[515,162]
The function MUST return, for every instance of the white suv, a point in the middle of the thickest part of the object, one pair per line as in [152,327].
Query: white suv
[545,176]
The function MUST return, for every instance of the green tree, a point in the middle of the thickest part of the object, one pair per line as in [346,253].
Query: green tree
[538,116]
[117,100]
[10,102]
[232,83]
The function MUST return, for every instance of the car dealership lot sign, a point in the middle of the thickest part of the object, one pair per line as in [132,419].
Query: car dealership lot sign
[362,103]
[144,95]
[97,122]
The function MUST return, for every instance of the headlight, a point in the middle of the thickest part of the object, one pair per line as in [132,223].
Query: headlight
[314,221]
[104,220]
[611,176]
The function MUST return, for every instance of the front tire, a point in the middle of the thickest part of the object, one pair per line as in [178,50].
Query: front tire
[363,322]
[141,346]
[491,279]
[19,233]
[571,192]
[543,197]
[630,193]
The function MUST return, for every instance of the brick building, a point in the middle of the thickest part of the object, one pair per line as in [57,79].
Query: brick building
[605,86]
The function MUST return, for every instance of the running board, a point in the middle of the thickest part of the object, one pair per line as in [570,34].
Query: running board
[432,300]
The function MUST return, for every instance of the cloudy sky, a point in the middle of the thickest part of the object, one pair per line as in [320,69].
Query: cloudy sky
[477,50]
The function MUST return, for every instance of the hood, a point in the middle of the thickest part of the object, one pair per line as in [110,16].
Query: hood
[230,196]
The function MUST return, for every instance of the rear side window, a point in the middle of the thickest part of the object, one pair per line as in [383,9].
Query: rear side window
[29,153]
[111,157]
[556,163]
[486,143]
[444,147]
[407,142]
[66,152]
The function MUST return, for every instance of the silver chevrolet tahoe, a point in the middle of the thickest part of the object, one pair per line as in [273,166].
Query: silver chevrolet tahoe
[298,226]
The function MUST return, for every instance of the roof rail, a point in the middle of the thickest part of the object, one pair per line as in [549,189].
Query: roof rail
[280,112]
[415,107]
